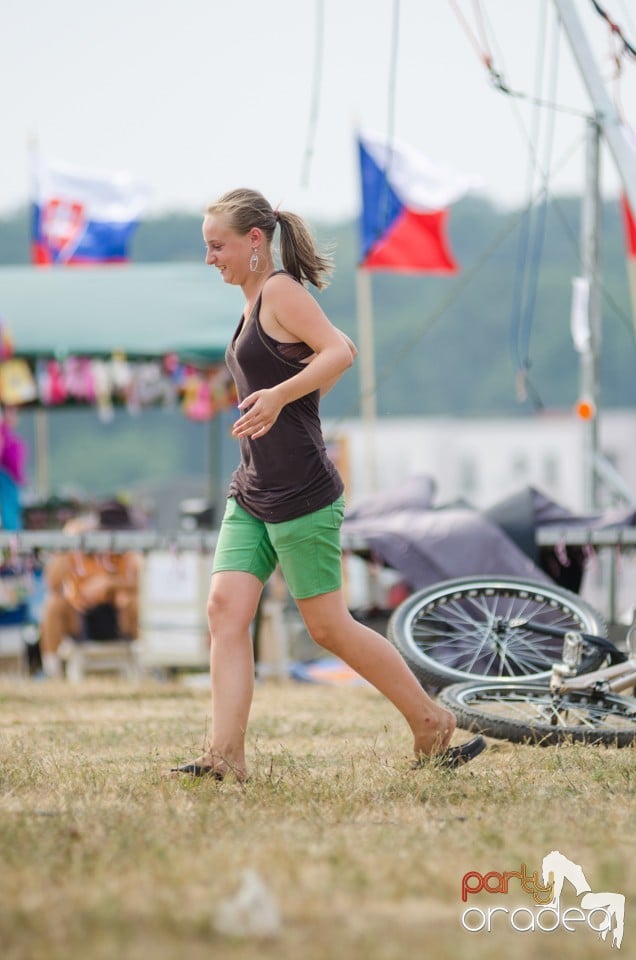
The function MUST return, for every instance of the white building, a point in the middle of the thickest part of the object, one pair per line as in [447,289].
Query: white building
[483,460]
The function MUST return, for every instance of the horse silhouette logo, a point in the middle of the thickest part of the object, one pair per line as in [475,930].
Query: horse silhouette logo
[556,869]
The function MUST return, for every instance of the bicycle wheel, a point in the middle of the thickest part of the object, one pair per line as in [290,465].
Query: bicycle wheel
[528,713]
[481,627]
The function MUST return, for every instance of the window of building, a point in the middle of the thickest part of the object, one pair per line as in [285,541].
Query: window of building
[551,472]
[519,465]
[468,476]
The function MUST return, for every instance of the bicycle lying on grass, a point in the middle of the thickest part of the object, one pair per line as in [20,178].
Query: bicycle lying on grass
[539,665]
[573,705]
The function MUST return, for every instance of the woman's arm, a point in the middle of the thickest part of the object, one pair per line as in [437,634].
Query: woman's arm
[326,387]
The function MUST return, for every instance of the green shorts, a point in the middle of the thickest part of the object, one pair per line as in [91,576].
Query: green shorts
[307,549]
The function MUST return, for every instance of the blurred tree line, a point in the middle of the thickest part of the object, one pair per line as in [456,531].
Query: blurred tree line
[444,344]
[453,344]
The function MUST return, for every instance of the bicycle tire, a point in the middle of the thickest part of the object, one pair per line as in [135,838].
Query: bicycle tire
[463,629]
[527,712]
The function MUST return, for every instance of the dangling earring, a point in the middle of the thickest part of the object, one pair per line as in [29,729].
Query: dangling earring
[254,260]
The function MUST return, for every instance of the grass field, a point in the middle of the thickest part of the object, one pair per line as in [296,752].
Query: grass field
[104,856]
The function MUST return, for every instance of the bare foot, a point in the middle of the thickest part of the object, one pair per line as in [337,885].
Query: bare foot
[222,764]
[435,733]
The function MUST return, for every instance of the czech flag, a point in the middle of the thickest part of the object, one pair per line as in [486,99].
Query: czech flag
[404,209]
[82,217]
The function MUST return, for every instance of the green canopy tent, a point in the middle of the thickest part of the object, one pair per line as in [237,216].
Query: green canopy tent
[143,312]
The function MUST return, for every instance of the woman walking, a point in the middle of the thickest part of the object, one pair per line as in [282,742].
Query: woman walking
[285,502]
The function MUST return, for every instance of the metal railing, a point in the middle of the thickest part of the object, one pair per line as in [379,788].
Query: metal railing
[101,541]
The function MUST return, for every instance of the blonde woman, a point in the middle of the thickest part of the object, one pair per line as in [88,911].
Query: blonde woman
[285,503]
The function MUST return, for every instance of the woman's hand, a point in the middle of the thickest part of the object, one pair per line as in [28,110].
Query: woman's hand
[261,410]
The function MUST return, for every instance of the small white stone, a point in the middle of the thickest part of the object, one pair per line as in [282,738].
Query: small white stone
[251,912]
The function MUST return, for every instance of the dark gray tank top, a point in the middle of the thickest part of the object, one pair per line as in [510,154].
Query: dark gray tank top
[286,473]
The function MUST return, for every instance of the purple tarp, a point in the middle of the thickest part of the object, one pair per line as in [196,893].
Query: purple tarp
[404,530]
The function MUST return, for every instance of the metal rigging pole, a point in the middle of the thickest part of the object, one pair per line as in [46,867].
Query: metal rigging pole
[606,123]
[607,116]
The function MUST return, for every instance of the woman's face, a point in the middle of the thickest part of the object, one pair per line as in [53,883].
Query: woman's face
[226,250]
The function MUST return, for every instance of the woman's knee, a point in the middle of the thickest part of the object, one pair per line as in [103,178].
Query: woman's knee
[232,602]
[218,606]
[326,626]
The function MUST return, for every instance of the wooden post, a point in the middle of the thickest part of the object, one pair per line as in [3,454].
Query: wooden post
[366,345]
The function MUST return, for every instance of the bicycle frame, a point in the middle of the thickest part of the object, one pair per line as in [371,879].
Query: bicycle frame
[618,676]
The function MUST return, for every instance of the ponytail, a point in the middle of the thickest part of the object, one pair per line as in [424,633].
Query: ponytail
[299,254]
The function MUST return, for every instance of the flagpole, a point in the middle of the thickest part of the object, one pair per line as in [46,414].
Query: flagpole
[42,453]
[368,407]
[32,164]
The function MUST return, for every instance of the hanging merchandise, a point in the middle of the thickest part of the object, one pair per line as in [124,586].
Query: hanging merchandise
[50,378]
[122,381]
[207,394]
[78,379]
[100,372]
[152,386]
[86,382]
[17,385]
[202,391]
[6,342]
[190,390]
[177,375]
[121,374]
[171,364]
[199,406]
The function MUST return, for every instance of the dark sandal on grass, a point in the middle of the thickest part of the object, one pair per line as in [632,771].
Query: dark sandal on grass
[453,757]
[195,769]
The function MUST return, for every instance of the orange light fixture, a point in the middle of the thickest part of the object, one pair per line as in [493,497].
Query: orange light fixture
[585,409]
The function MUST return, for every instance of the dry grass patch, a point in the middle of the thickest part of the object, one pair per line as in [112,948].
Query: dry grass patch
[103,856]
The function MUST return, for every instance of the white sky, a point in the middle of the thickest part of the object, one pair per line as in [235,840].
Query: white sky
[198,96]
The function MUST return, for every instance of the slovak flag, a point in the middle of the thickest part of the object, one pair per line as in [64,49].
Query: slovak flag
[82,217]
[404,208]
